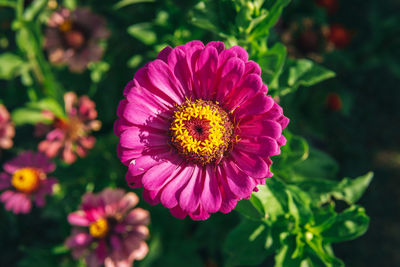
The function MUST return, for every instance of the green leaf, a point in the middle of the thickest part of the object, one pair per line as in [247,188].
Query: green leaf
[302,72]
[48,104]
[143,32]
[248,244]
[10,65]
[273,197]
[124,3]
[351,190]
[318,165]
[347,225]
[348,190]
[272,63]
[316,244]
[251,208]
[274,9]
[295,151]
[34,9]
[27,116]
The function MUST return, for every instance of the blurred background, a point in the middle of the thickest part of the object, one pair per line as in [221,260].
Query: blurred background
[354,117]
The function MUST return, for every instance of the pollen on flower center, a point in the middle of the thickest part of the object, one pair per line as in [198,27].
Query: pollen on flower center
[99,228]
[26,180]
[201,131]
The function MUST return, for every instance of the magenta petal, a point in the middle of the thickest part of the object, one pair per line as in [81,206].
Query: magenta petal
[239,182]
[190,195]
[158,175]
[258,104]
[200,214]
[161,76]
[138,139]
[205,71]
[252,165]
[240,53]
[261,128]
[170,193]
[248,87]
[79,239]
[178,212]
[78,218]
[211,196]
[151,197]
[220,46]
[163,55]
[231,74]
[177,60]
[262,146]
[252,67]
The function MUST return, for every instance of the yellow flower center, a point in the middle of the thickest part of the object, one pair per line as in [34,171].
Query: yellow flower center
[201,131]
[26,180]
[99,228]
[66,26]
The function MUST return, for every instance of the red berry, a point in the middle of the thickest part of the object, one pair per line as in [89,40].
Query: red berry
[339,36]
[331,6]
[334,102]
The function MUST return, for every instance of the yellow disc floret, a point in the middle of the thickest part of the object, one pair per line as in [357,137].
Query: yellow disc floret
[99,228]
[26,180]
[201,131]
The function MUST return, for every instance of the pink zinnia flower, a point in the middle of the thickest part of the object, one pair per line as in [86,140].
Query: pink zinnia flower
[7,130]
[197,129]
[70,136]
[108,229]
[73,38]
[25,180]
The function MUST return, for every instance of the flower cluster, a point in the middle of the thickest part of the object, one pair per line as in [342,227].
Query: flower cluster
[108,229]
[197,129]
[25,180]
[73,38]
[69,136]
[7,130]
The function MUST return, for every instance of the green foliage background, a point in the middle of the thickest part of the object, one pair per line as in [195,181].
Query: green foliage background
[291,221]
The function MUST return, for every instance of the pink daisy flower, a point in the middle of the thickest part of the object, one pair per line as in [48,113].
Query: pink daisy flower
[108,229]
[73,38]
[197,129]
[69,136]
[7,130]
[25,180]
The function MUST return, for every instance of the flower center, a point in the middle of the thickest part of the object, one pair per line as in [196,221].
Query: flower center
[66,26]
[26,180]
[201,131]
[73,127]
[99,228]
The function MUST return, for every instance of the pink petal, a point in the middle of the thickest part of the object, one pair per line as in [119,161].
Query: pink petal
[211,196]
[258,104]
[162,78]
[163,55]
[78,218]
[205,72]
[158,175]
[263,127]
[170,193]
[220,46]
[239,182]
[231,73]
[79,240]
[262,146]
[252,165]
[190,195]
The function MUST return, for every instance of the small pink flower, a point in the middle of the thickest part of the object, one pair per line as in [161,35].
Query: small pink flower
[70,136]
[25,180]
[108,230]
[197,129]
[7,130]
[73,38]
